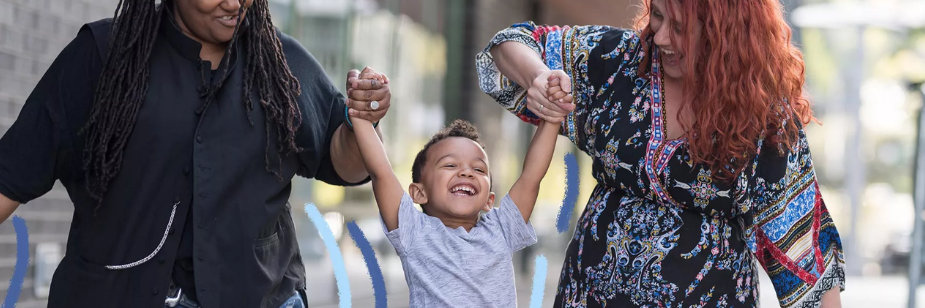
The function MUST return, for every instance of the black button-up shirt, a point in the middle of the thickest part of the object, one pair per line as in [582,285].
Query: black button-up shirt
[193,187]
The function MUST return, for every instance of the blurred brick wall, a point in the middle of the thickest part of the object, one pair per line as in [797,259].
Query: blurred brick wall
[618,13]
[32,33]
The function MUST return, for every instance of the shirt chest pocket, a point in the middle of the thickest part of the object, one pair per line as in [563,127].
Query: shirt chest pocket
[487,258]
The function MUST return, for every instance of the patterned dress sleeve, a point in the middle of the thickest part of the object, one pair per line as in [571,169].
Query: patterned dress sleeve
[562,48]
[793,235]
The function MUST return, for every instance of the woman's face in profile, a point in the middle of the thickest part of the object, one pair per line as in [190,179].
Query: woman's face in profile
[664,28]
[210,21]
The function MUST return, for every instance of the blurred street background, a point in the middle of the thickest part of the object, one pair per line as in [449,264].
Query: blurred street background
[865,68]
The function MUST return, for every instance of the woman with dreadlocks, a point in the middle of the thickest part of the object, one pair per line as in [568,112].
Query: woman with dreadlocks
[176,129]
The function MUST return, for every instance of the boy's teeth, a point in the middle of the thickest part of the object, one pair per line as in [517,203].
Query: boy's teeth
[463,189]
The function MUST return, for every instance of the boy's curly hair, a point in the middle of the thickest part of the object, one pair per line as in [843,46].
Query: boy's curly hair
[459,128]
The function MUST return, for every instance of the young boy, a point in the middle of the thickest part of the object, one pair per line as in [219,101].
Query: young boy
[451,255]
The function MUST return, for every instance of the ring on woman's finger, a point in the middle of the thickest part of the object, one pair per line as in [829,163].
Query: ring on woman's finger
[542,108]
[373,105]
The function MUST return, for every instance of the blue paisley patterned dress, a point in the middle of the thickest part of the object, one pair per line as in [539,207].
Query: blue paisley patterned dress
[658,231]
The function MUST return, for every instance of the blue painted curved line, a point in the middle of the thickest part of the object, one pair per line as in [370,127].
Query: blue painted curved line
[372,265]
[22,262]
[571,193]
[539,282]
[337,260]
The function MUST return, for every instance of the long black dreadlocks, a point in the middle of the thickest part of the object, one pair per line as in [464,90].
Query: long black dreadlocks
[123,85]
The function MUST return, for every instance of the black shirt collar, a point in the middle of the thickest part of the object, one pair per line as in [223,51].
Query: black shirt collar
[190,48]
[187,46]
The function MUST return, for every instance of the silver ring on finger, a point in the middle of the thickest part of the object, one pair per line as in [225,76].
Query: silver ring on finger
[542,108]
[373,105]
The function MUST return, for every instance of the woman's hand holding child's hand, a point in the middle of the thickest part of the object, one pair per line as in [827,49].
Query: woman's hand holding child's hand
[557,92]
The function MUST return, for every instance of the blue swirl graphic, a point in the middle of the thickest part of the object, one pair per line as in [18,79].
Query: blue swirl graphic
[539,282]
[337,260]
[22,262]
[372,264]
[571,193]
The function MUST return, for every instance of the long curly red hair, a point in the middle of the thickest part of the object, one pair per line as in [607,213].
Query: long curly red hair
[745,79]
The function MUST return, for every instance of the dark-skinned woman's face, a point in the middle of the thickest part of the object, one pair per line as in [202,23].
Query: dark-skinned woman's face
[210,21]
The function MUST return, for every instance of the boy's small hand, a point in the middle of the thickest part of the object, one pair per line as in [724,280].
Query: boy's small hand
[558,91]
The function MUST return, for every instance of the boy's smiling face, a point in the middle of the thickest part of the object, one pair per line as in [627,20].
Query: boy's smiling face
[455,182]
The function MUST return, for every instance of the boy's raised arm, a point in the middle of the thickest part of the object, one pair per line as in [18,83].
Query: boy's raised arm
[539,155]
[536,163]
[386,187]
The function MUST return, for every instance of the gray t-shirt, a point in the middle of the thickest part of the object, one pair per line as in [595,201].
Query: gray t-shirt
[447,267]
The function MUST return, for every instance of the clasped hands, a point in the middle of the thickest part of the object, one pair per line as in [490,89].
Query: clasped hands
[549,97]
[368,94]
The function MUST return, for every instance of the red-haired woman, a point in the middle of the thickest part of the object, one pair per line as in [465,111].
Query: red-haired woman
[695,124]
